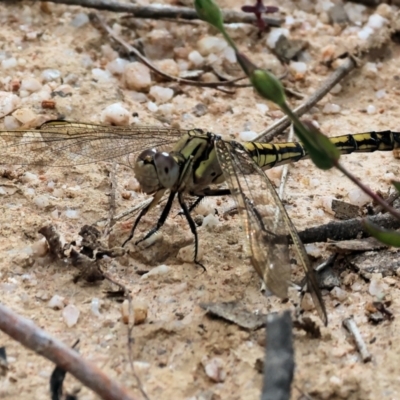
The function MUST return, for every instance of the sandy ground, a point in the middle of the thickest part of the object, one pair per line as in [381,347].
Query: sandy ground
[175,342]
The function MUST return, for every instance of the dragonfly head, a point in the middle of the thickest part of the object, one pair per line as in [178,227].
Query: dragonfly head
[156,170]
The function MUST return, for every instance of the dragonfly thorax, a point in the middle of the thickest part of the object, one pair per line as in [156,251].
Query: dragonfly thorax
[156,170]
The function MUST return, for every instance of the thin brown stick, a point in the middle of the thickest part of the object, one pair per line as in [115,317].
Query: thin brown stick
[28,334]
[152,12]
[102,25]
[352,327]
[278,127]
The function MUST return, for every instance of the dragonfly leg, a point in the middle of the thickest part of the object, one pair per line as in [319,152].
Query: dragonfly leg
[143,212]
[161,220]
[193,229]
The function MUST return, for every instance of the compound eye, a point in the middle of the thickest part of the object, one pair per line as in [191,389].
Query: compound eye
[167,169]
[147,155]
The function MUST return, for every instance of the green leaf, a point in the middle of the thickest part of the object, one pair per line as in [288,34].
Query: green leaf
[391,238]
[396,184]
[322,151]
[208,11]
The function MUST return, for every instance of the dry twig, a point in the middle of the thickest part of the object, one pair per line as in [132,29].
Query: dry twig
[351,326]
[28,334]
[154,12]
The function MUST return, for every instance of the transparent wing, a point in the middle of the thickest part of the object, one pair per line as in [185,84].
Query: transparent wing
[64,144]
[266,222]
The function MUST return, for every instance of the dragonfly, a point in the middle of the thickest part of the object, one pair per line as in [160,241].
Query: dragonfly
[182,163]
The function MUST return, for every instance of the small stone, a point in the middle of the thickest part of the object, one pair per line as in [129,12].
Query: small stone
[24,115]
[307,303]
[380,94]
[339,294]
[137,77]
[331,108]
[115,114]
[71,315]
[229,55]
[95,307]
[11,122]
[336,89]
[72,214]
[161,94]
[8,103]
[186,254]
[247,136]
[196,58]
[49,75]
[40,248]
[377,287]
[30,178]
[211,44]
[200,109]
[209,77]
[41,201]
[274,36]
[168,66]
[160,270]
[31,85]
[210,221]
[117,66]
[365,33]
[166,109]
[337,14]
[56,302]
[9,63]
[206,206]
[152,106]
[101,74]
[370,70]
[262,108]
[371,109]
[358,197]
[214,369]
[298,67]
[80,20]
[376,21]
[133,184]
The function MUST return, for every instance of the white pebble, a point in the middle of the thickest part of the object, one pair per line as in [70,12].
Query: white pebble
[206,206]
[186,254]
[54,214]
[28,177]
[365,33]
[229,54]
[73,214]
[49,75]
[115,114]
[371,109]
[101,74]
[326,204]
[152,106]
[80,20]
[8,103]
[117,66]
[376,21]
[29,192]
[41,201]
[56,302]
[70,315]
[355,12]
[137,77]
[161,94]
[132,184]
[358,197]
[336,89]
[210,221]
[262,108]
[339,294]
[86,61]
[247,136]
[211,44]
[289,20]
[331,108]
[377,287]
[298,67]
[40,248]
[166,109]
[160,270]
[168,66]
[11,122]
[370,69]
[307,303]
[274,35]
[380,94]
[196,58]
[9,63]
[95,307]
[30,85]
[24,115]
[214,369]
